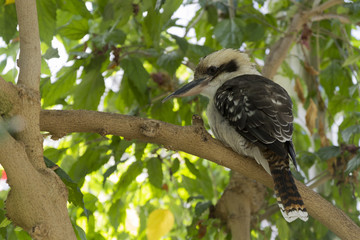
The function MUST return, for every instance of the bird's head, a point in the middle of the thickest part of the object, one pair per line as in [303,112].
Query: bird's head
[215,69]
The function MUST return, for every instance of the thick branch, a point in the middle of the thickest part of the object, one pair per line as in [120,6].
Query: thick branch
[280,49]
[194,140]
[33,202]
[29,79]
[30,56]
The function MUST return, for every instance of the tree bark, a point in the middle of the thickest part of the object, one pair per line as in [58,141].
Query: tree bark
[242,198]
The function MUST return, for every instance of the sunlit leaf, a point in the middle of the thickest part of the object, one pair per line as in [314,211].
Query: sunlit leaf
[9,2]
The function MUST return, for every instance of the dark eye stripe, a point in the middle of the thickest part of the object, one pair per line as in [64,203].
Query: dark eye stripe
[230,66]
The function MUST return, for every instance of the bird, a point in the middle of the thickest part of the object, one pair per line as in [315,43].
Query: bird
[252,115]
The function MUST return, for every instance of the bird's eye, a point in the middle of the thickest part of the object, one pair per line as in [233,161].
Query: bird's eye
[212,70]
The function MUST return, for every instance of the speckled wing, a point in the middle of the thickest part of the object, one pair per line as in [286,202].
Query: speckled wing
[260,111]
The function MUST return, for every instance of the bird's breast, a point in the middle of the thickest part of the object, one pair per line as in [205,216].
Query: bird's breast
[228,135]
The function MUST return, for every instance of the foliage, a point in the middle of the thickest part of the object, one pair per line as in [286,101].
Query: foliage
[125,56]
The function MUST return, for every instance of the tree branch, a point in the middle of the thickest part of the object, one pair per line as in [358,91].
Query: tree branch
[280,49]
[29,79]
[29,75]
[194,140]
[341,18]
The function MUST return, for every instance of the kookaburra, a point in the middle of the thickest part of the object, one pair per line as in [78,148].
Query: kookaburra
[252,115]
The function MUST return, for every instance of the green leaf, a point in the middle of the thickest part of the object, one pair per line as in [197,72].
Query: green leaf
[169,8]
[75,195]
[334,78]
[175,165]
[254,31]
[182,42]
[57,91]
[228,32]
[115,37]
[76,7]
[283,228]
[90,202]
[151,28]
[79,232]
[137,78]
[354,163]
[139,150]
[170,61]
[47,19]
[8,22]
[202,207]
[128,177]
[75,29]
[351,60]
[88,93]
[191,185]
[119,11]
[326,153]
[119,146]
[192,168]
[212,16]
[350,131]
[90,161]
[5,223]
[54,153]
[195,52]
[154,168]
[117,213]
[45,68]
[51,53]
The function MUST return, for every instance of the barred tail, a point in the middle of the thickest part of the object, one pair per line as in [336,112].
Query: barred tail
[290,202]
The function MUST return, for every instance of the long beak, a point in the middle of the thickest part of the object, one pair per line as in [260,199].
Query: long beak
[190,89]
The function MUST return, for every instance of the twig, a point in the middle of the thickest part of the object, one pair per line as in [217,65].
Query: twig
[231,9]
[341,18]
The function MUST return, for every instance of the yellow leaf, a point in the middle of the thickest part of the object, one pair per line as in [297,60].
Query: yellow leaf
[159,223]
[9,2]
